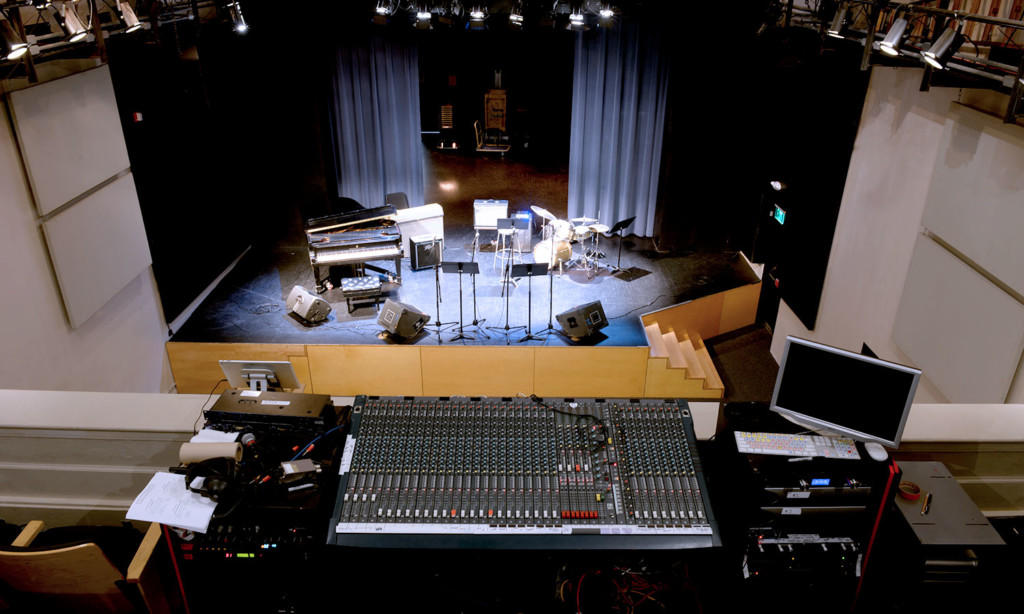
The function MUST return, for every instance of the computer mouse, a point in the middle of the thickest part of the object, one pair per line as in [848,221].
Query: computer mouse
[876,451]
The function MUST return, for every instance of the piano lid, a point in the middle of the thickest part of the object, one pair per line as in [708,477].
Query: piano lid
[339,220]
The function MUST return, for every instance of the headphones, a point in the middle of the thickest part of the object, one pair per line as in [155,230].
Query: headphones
[221,479]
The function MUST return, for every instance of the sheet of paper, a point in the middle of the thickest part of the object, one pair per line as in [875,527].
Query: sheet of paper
[213,435]
[166,500]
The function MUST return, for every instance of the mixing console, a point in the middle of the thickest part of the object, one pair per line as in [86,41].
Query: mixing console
[522,473]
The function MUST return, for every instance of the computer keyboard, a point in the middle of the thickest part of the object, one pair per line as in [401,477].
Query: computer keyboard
[787,444]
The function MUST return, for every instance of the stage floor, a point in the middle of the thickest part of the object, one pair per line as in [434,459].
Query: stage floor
[248,306]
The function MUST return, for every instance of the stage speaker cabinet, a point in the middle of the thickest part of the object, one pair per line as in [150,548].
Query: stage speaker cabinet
[583,320]
[401,320]
[307,306]
[425,251]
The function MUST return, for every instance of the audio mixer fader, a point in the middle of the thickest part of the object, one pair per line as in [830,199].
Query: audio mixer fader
[521,473]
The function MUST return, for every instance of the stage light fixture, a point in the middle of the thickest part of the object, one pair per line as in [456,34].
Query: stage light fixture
[576,21]
[778,186]
[890,45]
[383,8]
[237,18]
[836,29]
[13,46]
[944,47]
[73,24]
[515,16]
[476,19]
[41,5]
[423,19]
[131,20]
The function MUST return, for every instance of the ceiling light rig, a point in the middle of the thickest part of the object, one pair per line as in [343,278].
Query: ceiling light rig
[476,19]
[423,16]
[515,16]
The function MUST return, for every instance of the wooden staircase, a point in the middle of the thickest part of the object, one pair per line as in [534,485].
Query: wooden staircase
[680,366]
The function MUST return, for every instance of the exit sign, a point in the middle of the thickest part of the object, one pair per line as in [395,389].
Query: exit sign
[779,215]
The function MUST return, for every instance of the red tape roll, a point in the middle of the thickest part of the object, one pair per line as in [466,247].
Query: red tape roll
[909,490]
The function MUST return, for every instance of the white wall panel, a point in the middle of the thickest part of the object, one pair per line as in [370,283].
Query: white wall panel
[962,330]
[976,198]
[97,247]
[64,129]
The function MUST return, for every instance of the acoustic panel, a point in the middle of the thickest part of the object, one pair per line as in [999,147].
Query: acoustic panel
[963,331]
[70,136]
[975,198]
[97,247]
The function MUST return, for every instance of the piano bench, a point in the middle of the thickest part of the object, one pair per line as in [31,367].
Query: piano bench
[361,288]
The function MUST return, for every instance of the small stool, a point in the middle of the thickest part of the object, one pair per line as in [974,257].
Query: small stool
[507,249]
[361,288]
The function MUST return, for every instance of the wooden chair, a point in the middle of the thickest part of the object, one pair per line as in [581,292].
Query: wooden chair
[80,578]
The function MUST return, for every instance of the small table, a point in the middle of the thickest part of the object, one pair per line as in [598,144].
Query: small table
[364,287]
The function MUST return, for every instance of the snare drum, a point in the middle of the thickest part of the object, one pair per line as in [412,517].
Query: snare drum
[581,232]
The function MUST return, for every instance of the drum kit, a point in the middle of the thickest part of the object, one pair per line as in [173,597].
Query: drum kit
[559,238]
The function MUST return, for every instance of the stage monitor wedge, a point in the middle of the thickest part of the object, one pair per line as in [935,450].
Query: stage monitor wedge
[401,320]
[583,320]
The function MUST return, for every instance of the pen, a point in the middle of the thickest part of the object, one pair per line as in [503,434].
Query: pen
[927,504]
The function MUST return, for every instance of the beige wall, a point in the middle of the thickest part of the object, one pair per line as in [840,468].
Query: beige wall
[886,189]
[120,348]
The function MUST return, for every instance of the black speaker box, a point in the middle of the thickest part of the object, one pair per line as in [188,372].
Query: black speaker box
[583,320]
[401,319]
[425,251]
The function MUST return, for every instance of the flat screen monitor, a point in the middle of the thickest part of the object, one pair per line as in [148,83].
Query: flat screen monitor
[262,375]
[842,392]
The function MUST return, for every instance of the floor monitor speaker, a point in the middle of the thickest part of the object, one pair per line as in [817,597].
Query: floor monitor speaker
[307,306]
[583,320]
[401,320]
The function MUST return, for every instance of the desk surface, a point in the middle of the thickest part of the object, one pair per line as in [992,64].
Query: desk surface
[952,518]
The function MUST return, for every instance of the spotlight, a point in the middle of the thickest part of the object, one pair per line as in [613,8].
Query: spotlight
[576,21]
[13,46]
[836,29]
[476,19]
[606,12]
[131,20]
[422,19]
[237,18]
[778,186]
[383,9]
[76,31]
[515,16]
[41,5]
[894,38]
[944,47]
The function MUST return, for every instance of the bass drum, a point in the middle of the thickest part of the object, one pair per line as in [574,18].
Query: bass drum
[545,253]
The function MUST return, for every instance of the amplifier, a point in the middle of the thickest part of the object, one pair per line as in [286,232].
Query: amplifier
[425,251]
[771,554]
[312,412]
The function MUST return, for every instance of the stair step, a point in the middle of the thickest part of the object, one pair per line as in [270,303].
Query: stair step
[694,367]
[656,341]
[711,379]
[676,360]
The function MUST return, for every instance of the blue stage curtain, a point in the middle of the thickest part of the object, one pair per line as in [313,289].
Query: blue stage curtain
[375,117]
[619,100]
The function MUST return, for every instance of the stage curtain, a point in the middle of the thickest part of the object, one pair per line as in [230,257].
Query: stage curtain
[375,117]
[619,100]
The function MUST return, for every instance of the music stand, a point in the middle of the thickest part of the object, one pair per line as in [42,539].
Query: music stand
[506,279]
[437,293]
[461,267]
[618,228]
[529,270]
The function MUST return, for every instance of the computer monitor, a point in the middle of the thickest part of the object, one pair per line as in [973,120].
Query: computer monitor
[262,375]
[842,392]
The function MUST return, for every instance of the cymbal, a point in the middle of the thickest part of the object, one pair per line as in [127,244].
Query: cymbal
[544,213]
[583,220]
[601,228]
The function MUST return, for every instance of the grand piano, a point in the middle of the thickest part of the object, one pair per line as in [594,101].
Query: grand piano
[354,238]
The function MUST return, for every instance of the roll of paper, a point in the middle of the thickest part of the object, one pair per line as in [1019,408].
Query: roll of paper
[195,452]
